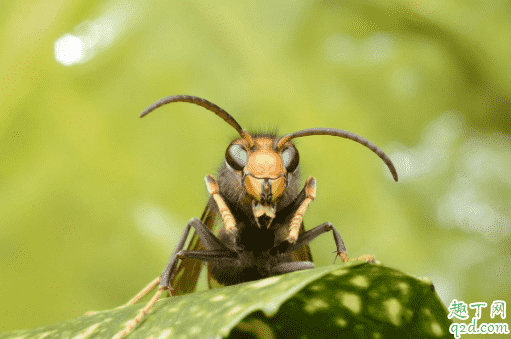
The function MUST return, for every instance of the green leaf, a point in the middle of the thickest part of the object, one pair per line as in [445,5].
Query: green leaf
[355,299]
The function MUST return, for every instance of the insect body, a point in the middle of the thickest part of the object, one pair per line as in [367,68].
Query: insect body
[252,227]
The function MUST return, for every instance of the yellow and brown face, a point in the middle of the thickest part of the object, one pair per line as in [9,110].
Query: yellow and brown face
[264,172]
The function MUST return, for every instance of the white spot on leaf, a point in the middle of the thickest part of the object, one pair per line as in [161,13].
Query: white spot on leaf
[436,329]
[165,334]
[317,287]
[360,281]
[265,282]
[351,301]
[341,322]
[394,310]
[373,294]
[234,310]
[339,272]
[404,288]
[218,298]
[314,305]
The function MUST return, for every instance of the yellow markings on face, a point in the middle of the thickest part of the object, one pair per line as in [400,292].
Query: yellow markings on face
[314,305]
[265,162]
[393,310]
[253,186]
[277,187]
[360,281]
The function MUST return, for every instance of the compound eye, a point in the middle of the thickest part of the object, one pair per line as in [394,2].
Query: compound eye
[236,156]
[290,159]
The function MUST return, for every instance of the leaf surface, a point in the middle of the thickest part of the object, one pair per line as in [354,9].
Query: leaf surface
[355,299]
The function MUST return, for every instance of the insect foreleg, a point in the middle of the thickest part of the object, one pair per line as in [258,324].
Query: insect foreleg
[227,217]
[296,222]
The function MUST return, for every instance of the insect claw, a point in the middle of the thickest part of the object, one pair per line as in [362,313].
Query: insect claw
[368,258]
[293,235]
[229,223]
[343,255]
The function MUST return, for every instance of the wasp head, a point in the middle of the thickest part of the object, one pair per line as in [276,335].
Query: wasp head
[266,166]
[264,172]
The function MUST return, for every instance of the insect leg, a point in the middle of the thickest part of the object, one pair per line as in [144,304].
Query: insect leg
[137,297]
[133,322]
[227,217]
[215,246]
[143,292]
[207,237]
[306,237]
[211,256]
[296,222]
[163,280]
[293,266]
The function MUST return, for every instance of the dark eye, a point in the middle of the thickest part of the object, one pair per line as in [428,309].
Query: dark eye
[290,159]
[236,156]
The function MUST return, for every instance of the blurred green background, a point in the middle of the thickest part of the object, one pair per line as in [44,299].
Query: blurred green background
[93,199]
